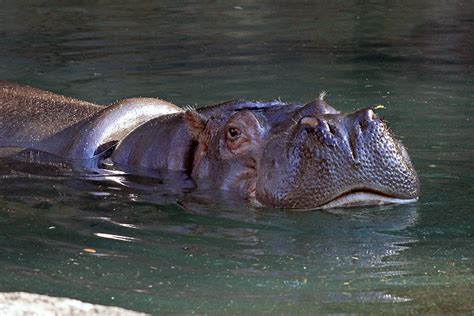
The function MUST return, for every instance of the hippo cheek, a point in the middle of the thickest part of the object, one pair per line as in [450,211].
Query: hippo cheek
[348,164]
[294,179]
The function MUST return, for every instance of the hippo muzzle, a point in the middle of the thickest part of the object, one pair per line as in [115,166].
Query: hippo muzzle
[335,160]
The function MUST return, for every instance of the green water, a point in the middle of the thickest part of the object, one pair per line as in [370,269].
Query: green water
[166,253]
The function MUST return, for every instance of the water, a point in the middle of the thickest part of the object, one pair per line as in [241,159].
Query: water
[161,252]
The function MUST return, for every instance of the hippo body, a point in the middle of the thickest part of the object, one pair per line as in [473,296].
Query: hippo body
[285,155]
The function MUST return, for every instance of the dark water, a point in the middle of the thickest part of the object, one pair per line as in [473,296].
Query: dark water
[162,252]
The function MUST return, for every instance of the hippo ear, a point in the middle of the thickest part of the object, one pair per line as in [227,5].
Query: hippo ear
[196,123]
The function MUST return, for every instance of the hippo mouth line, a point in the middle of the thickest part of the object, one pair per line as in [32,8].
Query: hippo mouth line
[350,198]
[364,197]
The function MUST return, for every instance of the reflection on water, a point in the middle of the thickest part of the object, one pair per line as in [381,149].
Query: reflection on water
[197,249]
[158,245]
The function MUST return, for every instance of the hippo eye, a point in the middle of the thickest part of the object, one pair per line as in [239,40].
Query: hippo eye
[233,132]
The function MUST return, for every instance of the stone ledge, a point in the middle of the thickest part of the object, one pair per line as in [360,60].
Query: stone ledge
[21,303]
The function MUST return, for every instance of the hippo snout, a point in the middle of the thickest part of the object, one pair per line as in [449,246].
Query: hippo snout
[329,160]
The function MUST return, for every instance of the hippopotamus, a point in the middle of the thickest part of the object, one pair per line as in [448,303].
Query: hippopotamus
[275,154]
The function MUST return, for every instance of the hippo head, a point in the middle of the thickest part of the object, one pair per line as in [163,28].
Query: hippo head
[303,157]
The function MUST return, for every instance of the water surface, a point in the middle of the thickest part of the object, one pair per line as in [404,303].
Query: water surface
[160,251]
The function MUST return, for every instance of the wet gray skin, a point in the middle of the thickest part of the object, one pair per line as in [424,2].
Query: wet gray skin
[272,153]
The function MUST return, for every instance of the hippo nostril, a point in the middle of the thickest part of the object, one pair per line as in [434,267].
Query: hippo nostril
[369,115]
[310,121]
[328,129]
[364,118]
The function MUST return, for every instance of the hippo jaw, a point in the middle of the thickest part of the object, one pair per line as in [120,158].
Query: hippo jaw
[335,160]
[363,197]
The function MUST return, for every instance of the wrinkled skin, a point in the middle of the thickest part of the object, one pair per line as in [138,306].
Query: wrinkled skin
[272,153]
[331,155]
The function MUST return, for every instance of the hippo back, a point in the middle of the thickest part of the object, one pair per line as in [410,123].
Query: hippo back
[29,115]
[69,128]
